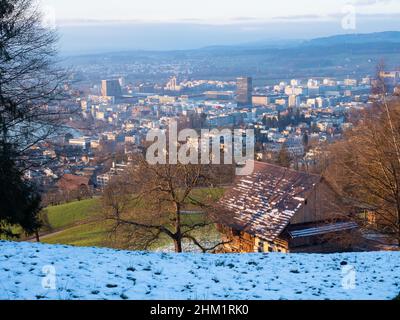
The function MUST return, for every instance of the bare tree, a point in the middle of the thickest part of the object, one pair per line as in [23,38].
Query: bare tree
[381,89]
[365,168]
[284,158]
[29,83]
[148,204]
[29,80]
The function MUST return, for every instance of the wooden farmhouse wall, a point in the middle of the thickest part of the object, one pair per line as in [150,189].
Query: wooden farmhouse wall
[320,205]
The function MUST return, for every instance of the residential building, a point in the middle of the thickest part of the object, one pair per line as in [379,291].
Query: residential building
[260,100]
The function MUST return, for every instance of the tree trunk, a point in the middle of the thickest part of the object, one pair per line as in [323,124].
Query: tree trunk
[398,229]
[398,225]
[178,233]
[398,235]
[37,236]
[178,245]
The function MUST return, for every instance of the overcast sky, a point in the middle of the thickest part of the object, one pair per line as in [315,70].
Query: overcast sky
[210,11]
[197,23]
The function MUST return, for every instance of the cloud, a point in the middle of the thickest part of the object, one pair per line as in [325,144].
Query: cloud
[300,17]
[246,22]
[370,2]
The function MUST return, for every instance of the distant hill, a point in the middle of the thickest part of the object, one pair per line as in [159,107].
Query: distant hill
[362,38]
[336,40]
[336,56]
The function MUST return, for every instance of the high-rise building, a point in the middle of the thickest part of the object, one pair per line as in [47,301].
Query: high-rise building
[244,91]
[172,85]
[294,101]
[111,88]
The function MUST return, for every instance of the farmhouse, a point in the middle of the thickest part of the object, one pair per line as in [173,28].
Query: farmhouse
[70,182]
[73,187]
[276,209]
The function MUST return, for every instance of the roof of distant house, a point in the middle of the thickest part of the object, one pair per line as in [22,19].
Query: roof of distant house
[71,182]
[263,203]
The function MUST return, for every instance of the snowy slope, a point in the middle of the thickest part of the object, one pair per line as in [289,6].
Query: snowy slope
[91,273]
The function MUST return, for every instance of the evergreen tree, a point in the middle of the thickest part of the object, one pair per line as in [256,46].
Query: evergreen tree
[19,202]
[265,121]
[305,140]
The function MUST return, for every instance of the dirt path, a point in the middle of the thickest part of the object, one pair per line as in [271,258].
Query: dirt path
[44,236]
[57,232]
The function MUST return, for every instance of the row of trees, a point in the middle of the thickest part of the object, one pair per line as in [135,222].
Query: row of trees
[292,118]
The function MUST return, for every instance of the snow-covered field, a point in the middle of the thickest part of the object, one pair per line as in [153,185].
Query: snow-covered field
[35,271]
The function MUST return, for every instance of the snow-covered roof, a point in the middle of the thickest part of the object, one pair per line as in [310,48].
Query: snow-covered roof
[263,203]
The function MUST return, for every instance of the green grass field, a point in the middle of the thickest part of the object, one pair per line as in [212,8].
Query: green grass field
[79,223]
[93,234]
[68,214]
